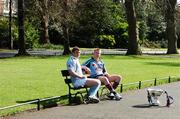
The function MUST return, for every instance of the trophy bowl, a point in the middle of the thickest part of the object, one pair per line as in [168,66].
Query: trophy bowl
[153,96]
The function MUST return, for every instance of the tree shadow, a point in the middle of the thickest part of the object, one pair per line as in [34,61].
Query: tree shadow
[173,64]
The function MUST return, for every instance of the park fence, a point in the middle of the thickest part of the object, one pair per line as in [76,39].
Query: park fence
[122,88]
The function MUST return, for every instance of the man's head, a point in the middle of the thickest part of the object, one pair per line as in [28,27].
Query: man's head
[97,53]
[76,52]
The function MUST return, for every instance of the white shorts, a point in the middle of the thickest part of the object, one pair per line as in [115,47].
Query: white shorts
[79,82]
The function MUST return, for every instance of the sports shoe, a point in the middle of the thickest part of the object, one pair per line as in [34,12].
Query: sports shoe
[111,95]
[117,96]
[93,99]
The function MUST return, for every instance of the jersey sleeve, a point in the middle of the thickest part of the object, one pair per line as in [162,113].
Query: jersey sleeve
[70,65]
[104,68]
[87,63]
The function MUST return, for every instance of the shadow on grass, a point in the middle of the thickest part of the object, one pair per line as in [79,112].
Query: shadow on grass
[47,102]
[173,64]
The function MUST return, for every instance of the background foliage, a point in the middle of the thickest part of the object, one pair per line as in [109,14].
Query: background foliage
[87,21]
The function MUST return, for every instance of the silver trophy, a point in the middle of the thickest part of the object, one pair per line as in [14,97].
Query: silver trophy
[154,94]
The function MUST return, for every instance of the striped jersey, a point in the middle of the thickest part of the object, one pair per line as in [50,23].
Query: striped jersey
[97,67]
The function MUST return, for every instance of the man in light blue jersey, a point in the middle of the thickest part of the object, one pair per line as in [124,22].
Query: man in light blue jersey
[80,80]
[98,70]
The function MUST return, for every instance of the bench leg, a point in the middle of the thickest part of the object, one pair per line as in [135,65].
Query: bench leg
[70,96]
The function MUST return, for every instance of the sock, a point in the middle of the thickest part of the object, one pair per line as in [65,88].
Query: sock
[115,85]
[109,87]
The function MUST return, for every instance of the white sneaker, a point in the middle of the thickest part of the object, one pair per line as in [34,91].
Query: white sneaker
[111,95]
[93,99]
[117,96]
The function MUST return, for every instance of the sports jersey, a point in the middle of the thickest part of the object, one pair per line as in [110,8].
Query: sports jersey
[97,67]
[74,65]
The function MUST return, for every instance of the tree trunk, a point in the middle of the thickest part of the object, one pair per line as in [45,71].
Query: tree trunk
[133,47]
[66,41]
[65,29]
[22,49]
[171,28]
[45,31]
[10,24]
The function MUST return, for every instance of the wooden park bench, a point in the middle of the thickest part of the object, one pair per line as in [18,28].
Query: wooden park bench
[79,90]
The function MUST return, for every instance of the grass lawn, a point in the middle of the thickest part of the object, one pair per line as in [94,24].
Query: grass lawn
[28,78]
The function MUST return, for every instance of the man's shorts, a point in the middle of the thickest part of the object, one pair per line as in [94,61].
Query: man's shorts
[79,82]
[97,76]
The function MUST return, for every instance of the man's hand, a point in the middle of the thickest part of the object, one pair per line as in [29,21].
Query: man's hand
[106,74]
[86,69]
[83,76]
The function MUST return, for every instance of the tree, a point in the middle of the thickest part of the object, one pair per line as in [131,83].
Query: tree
[65,27]
[22,49]
[94,18]
[141,19]
[167,8]
[53,14]
[156,23]
[171,27]
[133,47]
[42,11]
[178,24]
[10,24]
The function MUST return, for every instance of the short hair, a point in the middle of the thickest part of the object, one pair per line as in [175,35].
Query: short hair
[75,49]
[97,49]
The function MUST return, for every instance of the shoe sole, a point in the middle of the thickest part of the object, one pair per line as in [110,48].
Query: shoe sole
[118,98]
[93,101]
[111,97]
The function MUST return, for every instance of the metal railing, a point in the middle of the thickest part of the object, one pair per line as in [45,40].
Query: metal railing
[37,101]
[154,82]
[138,85]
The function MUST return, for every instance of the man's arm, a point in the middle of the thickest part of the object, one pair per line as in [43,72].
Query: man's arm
[105,71]
[86,65]
[71,66]
[86,69]
[74,74]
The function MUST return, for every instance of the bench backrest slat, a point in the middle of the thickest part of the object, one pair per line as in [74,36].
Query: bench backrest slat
[65,73]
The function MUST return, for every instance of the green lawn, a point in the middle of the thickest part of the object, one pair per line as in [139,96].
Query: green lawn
[28,78]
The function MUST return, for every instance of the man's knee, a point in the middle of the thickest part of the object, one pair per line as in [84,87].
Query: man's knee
[105,80]
[119,78]
[98,82]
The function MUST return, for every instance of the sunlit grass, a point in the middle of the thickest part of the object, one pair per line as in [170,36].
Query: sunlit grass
[29,78]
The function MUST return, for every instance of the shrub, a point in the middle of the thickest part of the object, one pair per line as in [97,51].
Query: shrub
[49,46]
[120,31]
[4,34]
[32,35]
[105,41]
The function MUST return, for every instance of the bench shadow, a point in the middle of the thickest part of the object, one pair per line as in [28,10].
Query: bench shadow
[46,102]
[54,102]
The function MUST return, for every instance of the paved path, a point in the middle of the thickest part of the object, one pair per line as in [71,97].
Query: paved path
[134,105]
[59,52]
